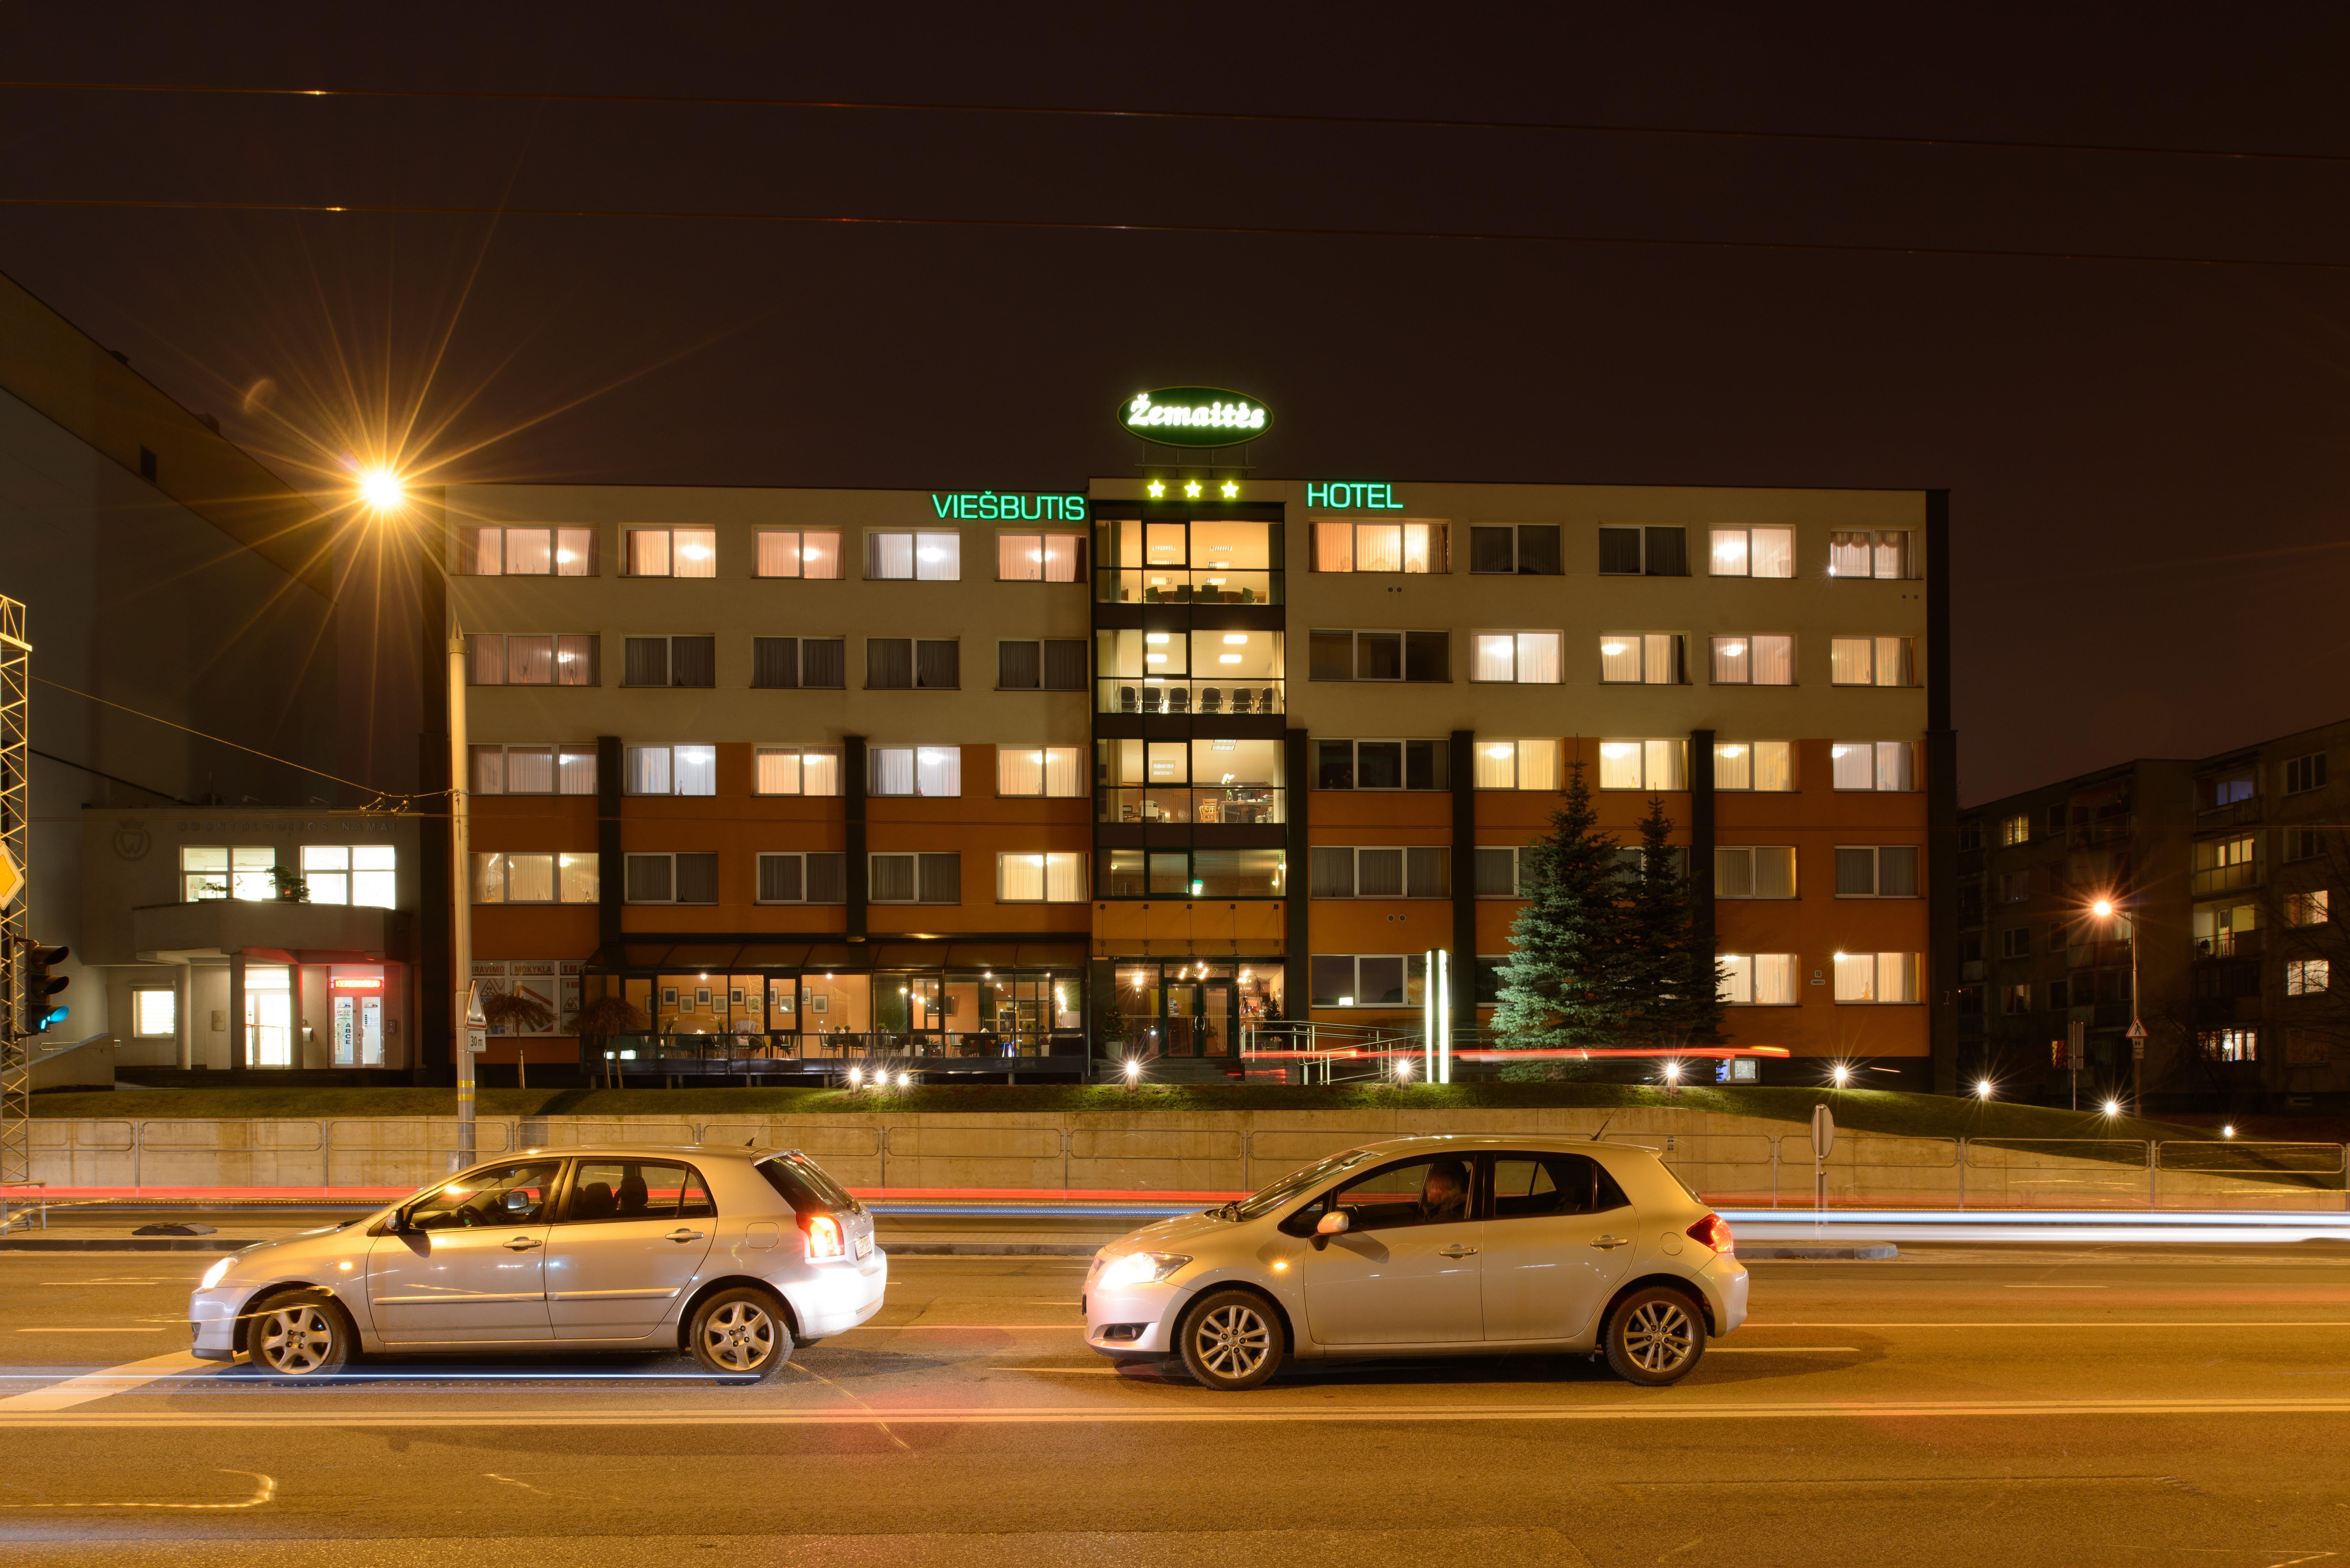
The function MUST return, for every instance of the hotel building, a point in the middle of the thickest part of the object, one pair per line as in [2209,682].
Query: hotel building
[1034,783]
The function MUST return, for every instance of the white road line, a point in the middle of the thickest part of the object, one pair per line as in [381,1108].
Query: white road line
[1219,1412]
[2055,1287]
[264,1488]
[128,1328]
[2076,1323]
[1780,1349]
[993,1327]
[92,1385]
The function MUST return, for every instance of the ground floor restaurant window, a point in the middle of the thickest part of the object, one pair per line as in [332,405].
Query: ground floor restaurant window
[1199,1007]
[881,1012]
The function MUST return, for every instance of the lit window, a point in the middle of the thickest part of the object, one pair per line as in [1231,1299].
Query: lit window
[1047,878]
[1872,661]
[1525,658]
[672,770]
[154,1013]
[2307,977]
[1379,547]
[1040,558]
[1754,765]
[672,552]
[2309,909]
[914,770]
[2229,1044]
[795,769]
[1871,553]
[534,877]
[1876,977]
[1753,552]
[790,553]
[1765,660]
[2013,830]
[1651,658]
[527,552]
[1516,765]
[1047,771]
[1643,764]
[1758,980]
[1873,765]
[533,659]
[916,558]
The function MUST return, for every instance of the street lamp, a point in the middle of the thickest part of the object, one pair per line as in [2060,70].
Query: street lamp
[1840,1073]
[381,490]
[2113,1107]
[1133,1073]
[1403,1070]
[2106,909]
[1983,1089]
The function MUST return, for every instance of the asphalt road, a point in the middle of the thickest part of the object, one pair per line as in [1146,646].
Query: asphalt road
[2030,1406]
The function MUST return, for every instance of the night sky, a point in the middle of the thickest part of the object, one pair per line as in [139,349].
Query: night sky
[2147,458]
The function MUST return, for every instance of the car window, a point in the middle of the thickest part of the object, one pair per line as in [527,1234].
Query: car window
[1415,1192]
[618,1189]
[1525,1185]
[804,1184]
[1295,1182]
[506,1195]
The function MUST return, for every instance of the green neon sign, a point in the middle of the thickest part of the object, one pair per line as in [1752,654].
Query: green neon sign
[1006,507]
[1350,496]
[1193,416]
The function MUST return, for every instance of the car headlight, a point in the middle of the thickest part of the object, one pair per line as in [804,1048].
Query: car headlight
[216,1274]
[1140,1269]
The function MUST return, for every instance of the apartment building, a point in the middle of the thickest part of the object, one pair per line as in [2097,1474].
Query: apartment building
[1033,782]
[2218,872]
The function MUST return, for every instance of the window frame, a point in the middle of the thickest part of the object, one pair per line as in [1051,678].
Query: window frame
[915,763]
[1906,967]
[628,751]
[468,545]
[1517,655]
[799,681]
[923,860]
[477,642]
[1746,533]
[1644,533]
[1518,568]
[671,856]
[1076,772]
[1753,768]
[1644,743]
[1078,539]
[139,1030]
[914,647]
[668,640]
[1907,761]
[832,754]
[477,875]
[759,537]
[1749,853]
[2298,973]
[2301,774]
[1876,853]
[1044,665]
[1714,655]
[1516,853]
[476,754]
[1483,754]
[1440,763]
[759,875]
[915,572]
[1404,654]
[1414,969]
[1907,548]
[1793,968]
[1436,555]
[629,534]
[1404,879]
[1676,653]
[1083,884]
[1907,656]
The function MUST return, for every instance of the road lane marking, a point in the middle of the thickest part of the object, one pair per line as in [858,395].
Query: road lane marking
[92,1385]
[1780,1349]
[128,1328]
[1218,1411]
[2055,1287]
[264,1489]
[992,1327]
[2094,1322]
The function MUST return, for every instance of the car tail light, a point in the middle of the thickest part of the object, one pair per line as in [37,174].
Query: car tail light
[1714,1231]
[824,1238]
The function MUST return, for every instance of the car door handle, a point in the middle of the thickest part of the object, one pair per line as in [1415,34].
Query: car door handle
[682,1234]
[1456,1250]
[1607,1242]
[522,1243]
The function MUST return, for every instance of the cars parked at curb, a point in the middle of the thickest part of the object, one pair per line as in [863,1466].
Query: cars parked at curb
[1430,1246]
[733,1255]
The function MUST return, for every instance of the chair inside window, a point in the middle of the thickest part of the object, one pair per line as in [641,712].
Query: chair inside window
[1267,704]
[1211,700]
[1241,700]
[1126,699]
[1178,698]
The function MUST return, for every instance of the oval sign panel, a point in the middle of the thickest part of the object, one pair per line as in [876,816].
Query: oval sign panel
[1193,416]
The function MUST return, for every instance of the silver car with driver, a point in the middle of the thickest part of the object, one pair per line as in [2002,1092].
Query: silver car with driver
[733,1254]
[1430,1246]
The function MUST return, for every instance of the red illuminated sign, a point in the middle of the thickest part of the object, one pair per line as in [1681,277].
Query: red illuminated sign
[355,983]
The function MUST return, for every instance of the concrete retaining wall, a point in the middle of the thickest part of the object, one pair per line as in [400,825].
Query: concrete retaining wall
[1731,1159]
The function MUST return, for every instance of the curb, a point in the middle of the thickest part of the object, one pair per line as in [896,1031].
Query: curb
[990,1249]
[1886,1249]
[124,1244]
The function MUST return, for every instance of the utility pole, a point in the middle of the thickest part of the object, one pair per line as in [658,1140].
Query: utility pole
[467,1031]
[15,903]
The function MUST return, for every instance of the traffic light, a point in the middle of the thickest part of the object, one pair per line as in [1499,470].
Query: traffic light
[40,985]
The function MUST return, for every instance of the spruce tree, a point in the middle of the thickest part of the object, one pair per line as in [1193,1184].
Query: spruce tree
[1665,999]
[1560,985]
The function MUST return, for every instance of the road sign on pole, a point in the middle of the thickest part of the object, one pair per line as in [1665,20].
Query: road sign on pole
[1823,1140]
[2076,1047]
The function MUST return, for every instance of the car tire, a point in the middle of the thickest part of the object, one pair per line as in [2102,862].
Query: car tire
[304,1335]
[740,1332]
[1655,1336]
[1231,1339]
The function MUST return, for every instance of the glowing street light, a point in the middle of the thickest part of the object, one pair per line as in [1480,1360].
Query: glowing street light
[2113,1107]
[1840,1073]
[1983,1089]
[2228,1131]
[1403,1070]
[1133,1073]
[381,490]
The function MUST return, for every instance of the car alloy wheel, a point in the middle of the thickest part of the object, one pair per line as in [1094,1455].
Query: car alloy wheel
[1655,1336]
[1231,1339]
[299,1337]
[740,1332]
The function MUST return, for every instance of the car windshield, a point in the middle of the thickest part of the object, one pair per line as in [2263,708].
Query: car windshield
[1295,1182]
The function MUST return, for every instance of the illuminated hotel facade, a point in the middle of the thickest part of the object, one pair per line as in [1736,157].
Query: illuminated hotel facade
[1039,782]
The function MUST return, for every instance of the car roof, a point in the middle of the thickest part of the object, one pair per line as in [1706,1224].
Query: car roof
[1471,1143]
[700,1151]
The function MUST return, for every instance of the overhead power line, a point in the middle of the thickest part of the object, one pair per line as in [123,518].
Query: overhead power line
[1235,117]
[1255,231]
[224,741]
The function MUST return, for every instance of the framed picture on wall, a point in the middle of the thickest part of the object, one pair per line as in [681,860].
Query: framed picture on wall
[669,996]
[819,1002]
[735,997]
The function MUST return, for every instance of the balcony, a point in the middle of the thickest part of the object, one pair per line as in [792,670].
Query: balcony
[1176,697]
[2227,879]
[2233,814]
[2229,944]
[1227,805]
[1179,586]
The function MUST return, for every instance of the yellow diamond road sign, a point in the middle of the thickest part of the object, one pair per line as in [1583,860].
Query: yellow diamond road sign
[12,878]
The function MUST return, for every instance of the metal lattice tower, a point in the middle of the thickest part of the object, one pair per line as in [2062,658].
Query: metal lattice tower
[15,929]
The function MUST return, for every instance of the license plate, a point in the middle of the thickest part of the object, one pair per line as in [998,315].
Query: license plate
[864,1248]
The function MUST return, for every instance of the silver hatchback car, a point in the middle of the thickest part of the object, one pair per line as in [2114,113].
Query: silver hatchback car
[1422,1246]
[733,1254]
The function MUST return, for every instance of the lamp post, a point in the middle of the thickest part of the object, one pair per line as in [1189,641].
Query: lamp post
[2106,909]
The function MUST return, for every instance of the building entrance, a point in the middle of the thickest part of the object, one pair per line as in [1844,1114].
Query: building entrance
[1201,1008]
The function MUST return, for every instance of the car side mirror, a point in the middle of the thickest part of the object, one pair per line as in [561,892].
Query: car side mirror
[517,1202]
[1334,1223]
